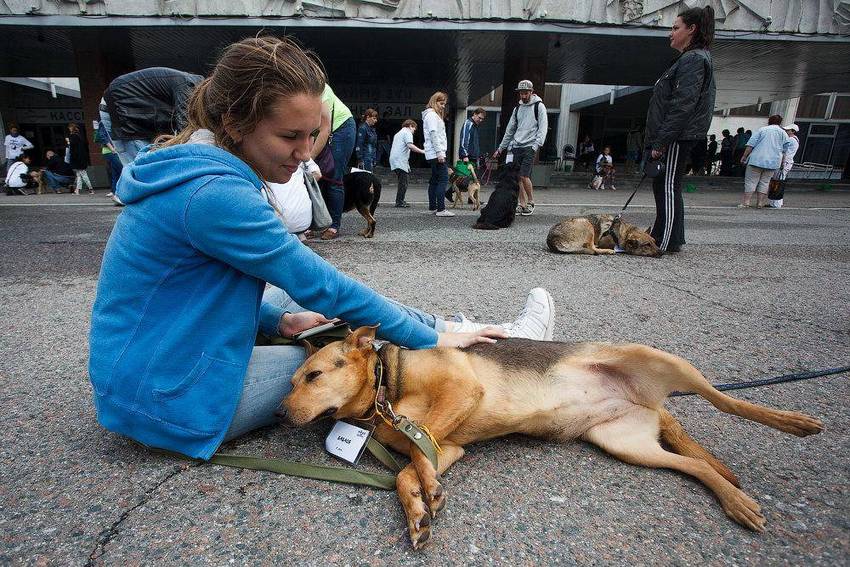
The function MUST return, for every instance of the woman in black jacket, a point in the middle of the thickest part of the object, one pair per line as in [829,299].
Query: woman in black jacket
[679,115]
[78,153]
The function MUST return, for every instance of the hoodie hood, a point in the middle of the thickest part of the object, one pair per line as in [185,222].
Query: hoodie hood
[534,98]
[155,171]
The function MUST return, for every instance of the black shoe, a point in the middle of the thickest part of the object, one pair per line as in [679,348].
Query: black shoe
[402,205]
[673,249]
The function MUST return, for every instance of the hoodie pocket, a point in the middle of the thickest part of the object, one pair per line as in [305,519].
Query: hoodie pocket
[203,400]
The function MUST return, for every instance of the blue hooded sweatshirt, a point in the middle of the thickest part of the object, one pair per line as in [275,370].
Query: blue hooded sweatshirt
[179,299]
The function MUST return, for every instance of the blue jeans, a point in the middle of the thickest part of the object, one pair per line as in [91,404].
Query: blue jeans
[342,146]
[131,149]
[437,185]
[113,168]
[56,182]
[369,163]
[270,370]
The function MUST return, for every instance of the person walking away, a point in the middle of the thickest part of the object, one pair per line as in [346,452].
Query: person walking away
[787,164]
[436,145]
[400,159]
[470,141]
[15,145]
[182,292]
[146,103]
[110,155]
[340,132]
[78,158]
[763,157]
[366,147]
[727,153]
[56,173]
[605,168]
[633,141]
[525,134]
[679,114]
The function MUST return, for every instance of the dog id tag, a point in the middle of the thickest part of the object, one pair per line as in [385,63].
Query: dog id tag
[347,441]
[509,158]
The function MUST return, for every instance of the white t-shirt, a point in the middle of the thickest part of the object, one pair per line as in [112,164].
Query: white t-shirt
[13,175]
[400,152]
[293,200]
[15,146]
[602,157]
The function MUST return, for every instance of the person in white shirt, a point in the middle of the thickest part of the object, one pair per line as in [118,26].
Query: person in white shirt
[787,163]
[605,168]
[15,144]
[18,176]
[293,201]
[400,157]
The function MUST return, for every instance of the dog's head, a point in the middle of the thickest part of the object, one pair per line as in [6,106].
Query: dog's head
[635,241]
[335,381]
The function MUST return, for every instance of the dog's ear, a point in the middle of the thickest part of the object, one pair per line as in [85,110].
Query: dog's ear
[309,347]
[361,337]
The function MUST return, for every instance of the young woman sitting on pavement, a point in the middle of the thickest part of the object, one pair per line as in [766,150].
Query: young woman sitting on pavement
[180,298]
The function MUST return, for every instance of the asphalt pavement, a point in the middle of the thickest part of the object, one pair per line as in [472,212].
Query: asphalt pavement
[753,294]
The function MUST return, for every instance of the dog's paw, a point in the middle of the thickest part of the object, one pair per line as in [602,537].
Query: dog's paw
[799,424]
[436,498]
[743,510]
[419,526]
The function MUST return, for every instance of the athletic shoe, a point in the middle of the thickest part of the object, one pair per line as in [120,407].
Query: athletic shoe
[526,211]
[537,320]
[743,206]
[444,213]
[531,205]
[402,205]
[117,201]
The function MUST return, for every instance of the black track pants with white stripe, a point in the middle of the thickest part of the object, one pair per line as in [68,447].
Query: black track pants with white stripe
[668,230]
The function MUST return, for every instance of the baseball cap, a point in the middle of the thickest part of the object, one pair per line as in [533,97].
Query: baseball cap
[791,127]
[525,85]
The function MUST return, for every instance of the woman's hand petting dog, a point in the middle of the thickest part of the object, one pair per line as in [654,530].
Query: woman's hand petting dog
[294,323]
[463,340]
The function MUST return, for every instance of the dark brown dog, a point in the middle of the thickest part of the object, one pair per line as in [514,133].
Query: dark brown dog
[362,192]
[598,234]
[611,395]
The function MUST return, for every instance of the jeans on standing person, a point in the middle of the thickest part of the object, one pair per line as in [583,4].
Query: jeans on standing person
[113,168]
[270,369]
[342,146]
[437,185]
[369,163]
[131,149]
[56,182]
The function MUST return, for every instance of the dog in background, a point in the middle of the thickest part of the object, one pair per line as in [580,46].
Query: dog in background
[461,184]
[500,210]
[362,192]
[610,395]
[599,234]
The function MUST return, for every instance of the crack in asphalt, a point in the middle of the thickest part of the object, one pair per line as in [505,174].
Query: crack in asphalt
[107,535]
[732,309]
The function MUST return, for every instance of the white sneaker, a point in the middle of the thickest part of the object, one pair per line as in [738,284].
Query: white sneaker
[444,213]
[537,320]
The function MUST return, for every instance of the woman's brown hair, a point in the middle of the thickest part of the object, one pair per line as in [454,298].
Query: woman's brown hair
[703,19]
[370,112]
[249,78]
[432,103]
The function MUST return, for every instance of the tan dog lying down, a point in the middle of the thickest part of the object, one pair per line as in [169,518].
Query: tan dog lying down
[611,395]
[597,234]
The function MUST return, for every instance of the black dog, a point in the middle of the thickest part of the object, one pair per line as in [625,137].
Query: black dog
[362,192]
[500,210]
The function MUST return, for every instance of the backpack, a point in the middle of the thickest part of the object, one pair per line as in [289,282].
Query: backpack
[536,111]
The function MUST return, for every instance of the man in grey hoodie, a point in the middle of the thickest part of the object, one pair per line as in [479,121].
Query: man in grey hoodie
[525,134]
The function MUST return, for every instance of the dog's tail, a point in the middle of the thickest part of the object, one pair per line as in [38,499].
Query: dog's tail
[480,225]
[675,436]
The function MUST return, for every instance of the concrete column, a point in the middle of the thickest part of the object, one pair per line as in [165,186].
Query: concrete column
[564,118]
[526,56]
[100,57]
[787,109]
[460,118]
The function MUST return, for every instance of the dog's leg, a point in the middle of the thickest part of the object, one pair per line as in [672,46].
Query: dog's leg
[420,499]
[655,374]
[369,231]
[633,438]
[675,436]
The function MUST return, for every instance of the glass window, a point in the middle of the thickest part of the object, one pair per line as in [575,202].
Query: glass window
[813,106]
[841,110]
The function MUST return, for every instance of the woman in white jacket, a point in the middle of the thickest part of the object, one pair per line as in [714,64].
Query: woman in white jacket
[436,145]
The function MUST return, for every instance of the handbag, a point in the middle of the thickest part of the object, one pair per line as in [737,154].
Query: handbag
[321,215]
[776,189]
